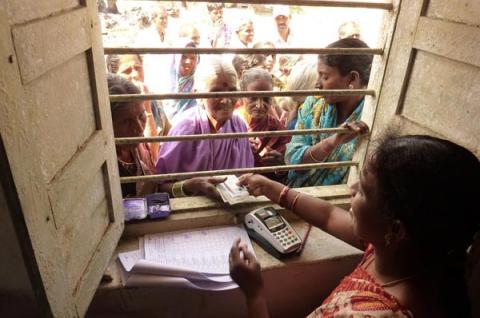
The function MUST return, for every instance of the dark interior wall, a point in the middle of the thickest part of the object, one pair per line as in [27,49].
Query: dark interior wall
[17,298]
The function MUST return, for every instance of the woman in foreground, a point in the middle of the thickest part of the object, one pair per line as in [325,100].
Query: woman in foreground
[415,209]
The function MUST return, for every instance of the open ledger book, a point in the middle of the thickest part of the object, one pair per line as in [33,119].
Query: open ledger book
[194,259]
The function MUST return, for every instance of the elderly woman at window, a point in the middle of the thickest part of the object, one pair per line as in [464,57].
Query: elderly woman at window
[302,77]
[244,33]
[334,72]
[130,66]
[256,112]
[211,116]
[129,120]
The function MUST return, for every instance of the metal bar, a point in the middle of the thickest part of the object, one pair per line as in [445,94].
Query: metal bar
[314,3]
[237,94]
[136,140]
[188,175]
[187,50]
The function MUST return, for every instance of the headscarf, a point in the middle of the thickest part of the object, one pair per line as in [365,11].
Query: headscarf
[182,84]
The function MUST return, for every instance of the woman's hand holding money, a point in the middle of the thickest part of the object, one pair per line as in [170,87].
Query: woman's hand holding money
[259,185]
[254,183]
[205,186]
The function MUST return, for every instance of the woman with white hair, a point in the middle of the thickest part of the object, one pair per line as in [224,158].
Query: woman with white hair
[210,116]
[302,77]
[244,33]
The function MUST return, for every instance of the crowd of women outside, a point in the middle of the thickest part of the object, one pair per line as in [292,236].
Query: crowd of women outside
[139,23]
[187,73]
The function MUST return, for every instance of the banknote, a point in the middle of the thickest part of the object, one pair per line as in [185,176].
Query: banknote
[231,192]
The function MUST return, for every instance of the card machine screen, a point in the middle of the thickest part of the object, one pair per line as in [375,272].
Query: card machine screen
[271,221]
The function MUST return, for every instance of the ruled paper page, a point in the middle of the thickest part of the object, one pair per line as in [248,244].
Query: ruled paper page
[204,250]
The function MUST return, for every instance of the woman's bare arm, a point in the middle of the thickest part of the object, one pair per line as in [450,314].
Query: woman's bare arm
[315,211]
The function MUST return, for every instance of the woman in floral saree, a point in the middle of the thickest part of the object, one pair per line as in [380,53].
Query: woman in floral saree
[334,72]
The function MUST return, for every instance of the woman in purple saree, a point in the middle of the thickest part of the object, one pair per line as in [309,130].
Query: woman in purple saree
[213,115]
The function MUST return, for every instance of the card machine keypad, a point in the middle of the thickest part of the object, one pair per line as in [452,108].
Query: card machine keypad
[272,232]
[286,237]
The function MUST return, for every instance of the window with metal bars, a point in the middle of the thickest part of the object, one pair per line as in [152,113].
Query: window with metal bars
[370,93]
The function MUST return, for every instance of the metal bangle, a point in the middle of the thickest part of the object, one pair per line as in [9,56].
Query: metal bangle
[310,153]
[294,202]
[177,190]
[283,195]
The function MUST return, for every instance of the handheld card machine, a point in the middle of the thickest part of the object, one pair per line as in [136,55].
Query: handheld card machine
[272,232]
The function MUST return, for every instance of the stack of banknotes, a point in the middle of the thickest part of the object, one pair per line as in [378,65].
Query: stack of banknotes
[231,192]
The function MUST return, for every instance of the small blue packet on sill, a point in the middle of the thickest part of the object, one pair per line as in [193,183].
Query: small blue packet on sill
[158,205]
[134,208]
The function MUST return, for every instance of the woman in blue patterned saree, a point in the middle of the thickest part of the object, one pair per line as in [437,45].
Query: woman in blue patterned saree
[334,72]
